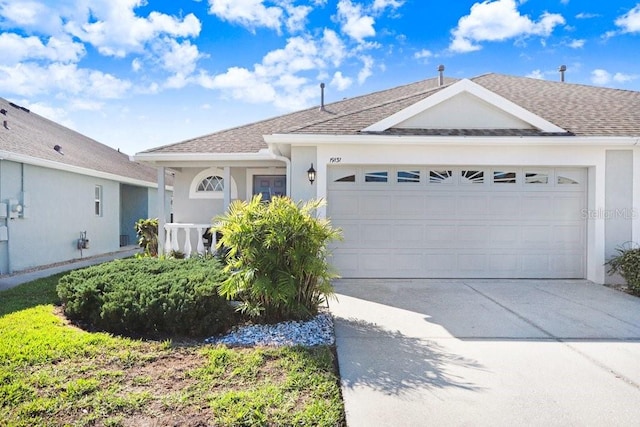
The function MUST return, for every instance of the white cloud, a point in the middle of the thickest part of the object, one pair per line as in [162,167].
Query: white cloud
[341,82]
[586,15]
[15,48]
[354,22]
[383,4]
[497,21]
[28,79]
[423,54]
[576,43]
[630,21]
[333,48]
[136,65]
[115,29]
[624,78]
[600,77]
[366,70]
[86,105]
[58,115]
[248,13]
[297,17]
[536,74]
[284,77]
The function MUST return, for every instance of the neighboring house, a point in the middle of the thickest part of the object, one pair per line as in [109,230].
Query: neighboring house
[56,184]
[490,177]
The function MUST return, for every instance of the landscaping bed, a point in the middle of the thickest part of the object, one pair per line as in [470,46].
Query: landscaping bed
[54,373]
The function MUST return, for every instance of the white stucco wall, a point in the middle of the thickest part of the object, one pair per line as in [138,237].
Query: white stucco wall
[619,210]
[61,205]
[200,211]
[301,160]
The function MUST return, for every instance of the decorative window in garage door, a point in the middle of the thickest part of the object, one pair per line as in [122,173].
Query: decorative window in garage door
[568,177]
[440,176]
[536,178]
[342,174]
[500,177]
[408,176]
[472,177]
[381,176]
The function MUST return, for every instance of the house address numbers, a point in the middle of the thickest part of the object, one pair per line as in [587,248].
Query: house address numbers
[335,159]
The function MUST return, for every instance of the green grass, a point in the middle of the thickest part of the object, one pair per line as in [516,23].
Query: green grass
[53,373]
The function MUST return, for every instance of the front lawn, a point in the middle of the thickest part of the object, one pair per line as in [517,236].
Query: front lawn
[53,373]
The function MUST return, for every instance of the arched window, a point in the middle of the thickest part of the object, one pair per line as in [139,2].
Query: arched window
[209,184]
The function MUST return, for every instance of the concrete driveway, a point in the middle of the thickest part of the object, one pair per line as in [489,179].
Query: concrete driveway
[487,353]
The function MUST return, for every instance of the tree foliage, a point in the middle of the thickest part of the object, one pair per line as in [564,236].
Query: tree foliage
[276,257]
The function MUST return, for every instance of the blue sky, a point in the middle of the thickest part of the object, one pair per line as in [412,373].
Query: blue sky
[137,74]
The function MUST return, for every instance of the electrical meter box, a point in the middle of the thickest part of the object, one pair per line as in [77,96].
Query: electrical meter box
[3,210]
[4,233]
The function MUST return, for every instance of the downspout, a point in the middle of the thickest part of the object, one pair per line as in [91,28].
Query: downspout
[287,162]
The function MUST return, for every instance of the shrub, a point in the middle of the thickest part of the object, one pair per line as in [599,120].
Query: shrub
[276,258]
[147,230]
[149,296]
[627,264]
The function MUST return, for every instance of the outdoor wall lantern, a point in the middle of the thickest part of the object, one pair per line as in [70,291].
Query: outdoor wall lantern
[311,174]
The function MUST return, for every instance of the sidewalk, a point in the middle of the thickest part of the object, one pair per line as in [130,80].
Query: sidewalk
[7,282]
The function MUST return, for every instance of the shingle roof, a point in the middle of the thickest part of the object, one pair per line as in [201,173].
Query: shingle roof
[32,135]
[581,110]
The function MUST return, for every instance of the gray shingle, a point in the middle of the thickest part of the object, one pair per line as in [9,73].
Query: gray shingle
[32,135]
[581,110]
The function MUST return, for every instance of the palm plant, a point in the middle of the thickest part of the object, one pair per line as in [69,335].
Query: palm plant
[277,257]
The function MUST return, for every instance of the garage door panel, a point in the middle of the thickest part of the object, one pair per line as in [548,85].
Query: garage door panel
[377,235]
[568,208]
[472,235]
[409,235]
[439,205]
[375,206]
[472,262]
[568,236]
[439,265]
[504,206]
[409,206]
[344,205]
[471,206]
[537,207]
[503,263]
[457,229]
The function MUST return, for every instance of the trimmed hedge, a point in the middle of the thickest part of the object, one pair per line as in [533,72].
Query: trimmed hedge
[149,297]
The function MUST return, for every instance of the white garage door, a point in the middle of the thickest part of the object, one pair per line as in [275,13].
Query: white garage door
[441,222]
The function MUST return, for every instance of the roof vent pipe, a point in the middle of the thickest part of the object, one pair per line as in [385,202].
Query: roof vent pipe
[322,97]
[6,125]
[562,69]
[441,75]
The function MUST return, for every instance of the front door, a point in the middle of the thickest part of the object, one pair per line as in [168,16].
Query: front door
[269,186]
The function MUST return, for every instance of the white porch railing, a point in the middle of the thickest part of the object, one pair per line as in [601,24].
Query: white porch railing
[187,238]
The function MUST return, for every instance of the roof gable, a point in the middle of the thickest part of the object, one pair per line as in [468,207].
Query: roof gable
[464,105]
